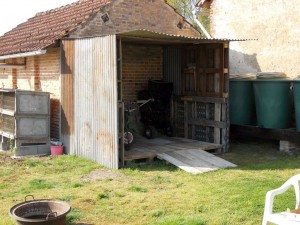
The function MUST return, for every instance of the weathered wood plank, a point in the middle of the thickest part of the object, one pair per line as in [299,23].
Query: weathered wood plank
[205,159]
[138,154]
[205,156]
[183,140]
[217,130]
[225,131]
[162,148]
[185,119]
[203,99]
[196,145]
[193,161]
[187,154]
[181,165]
[222,65]
[206,123]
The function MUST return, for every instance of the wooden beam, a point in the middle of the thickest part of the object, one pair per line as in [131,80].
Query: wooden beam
[206,123]
[12,66]
[264,133]
[203,99]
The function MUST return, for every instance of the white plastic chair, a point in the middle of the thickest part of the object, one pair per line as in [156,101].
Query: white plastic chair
[282,218]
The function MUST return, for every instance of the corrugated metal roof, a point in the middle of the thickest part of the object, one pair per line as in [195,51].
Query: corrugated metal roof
[153,35]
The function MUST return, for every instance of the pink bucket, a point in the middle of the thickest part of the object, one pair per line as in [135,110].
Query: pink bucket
[57,150]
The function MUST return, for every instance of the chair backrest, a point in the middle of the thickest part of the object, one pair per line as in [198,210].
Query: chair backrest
[293,181]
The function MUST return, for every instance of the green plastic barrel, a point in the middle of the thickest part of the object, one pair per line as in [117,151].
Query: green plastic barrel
[272,100]
[296,92]
[241,100]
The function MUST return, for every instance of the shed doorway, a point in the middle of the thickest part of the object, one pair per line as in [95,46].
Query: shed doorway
[197,108]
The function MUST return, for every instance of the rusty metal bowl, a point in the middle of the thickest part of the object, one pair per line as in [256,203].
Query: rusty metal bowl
[40,212]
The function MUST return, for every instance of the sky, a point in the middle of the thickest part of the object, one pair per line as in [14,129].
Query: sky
[14,12]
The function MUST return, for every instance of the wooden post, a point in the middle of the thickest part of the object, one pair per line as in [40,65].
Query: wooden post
[225,107]
[217,88]
[217,130]
[121,136]
[225,131]
[121,104]
[186,126]
[193,118]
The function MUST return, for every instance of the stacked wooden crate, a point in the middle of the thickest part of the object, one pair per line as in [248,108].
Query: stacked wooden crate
[201,112]
[25,121]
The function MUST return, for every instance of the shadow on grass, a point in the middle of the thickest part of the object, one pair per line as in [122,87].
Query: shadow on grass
[156,165]
[253,154]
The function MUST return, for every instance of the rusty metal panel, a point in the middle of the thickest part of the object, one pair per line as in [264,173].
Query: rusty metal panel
[67,56]
[172,67]
[95,95]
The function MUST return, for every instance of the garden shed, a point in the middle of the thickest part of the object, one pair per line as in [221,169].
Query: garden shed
[96,56]
[101,74]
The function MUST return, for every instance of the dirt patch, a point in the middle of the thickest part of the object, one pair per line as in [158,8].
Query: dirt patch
[103,174]
[7,160]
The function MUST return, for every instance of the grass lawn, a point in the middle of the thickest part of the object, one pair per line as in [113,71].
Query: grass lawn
[157,194]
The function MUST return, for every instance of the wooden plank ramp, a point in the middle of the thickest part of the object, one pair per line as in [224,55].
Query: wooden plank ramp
[195,160]
[187,154]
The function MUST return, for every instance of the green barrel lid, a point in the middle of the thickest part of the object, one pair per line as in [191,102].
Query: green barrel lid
[242,76]
[270,75]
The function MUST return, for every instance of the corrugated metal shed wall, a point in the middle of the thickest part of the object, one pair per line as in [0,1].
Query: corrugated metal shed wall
[67,93]
[172,67]
[95,101]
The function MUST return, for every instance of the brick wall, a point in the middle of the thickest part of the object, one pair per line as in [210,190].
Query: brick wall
[140,63]
[126,15]
[274,23]
[41,73]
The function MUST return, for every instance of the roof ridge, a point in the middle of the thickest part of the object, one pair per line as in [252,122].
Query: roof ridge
[63,6]
[57,8]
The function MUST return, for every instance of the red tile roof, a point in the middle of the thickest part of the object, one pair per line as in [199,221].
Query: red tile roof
[46,28]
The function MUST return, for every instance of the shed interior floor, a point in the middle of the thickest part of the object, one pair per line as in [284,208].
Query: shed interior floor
[149,148]
[189,155]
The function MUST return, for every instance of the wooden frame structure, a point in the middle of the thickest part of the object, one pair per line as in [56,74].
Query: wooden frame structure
[201,112]
[199,109]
